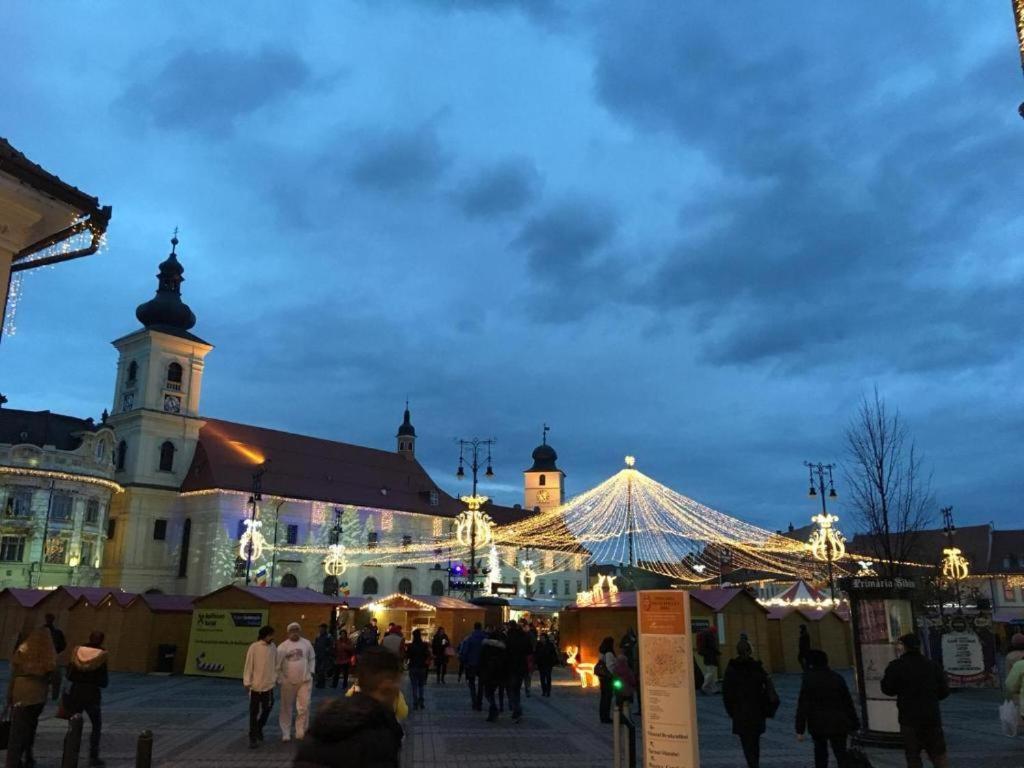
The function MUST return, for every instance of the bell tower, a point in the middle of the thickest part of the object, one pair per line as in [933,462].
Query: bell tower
[407,436]
[544,482]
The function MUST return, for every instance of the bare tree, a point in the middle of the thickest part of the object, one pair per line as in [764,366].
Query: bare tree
[888,492]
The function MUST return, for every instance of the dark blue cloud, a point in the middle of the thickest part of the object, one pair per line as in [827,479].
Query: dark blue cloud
[504,188]
[396,161]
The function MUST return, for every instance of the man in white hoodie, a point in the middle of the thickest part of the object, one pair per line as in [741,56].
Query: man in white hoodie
[259,679]
[296,662]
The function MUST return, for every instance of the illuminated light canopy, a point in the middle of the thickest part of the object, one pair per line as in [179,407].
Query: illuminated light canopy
[335,564]
[250,545]
[827,542]
[47,474]
[472,525]
[954,564]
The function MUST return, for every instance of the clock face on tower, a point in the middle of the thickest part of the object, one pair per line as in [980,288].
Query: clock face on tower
[543,496]
[127,401]
[172,404]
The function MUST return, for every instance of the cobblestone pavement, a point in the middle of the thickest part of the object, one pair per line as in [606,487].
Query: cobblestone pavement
[202,722]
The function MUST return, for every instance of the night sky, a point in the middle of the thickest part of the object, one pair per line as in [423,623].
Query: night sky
[696,233]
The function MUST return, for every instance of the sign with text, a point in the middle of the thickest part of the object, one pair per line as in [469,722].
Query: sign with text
[219,639]
[666,680]
[504,589]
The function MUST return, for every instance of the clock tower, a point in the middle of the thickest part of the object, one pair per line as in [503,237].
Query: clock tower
[155,419]
[544,482]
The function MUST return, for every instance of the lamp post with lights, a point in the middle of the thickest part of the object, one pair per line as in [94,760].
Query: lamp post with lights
[254,501]
[825,533]
[470,452]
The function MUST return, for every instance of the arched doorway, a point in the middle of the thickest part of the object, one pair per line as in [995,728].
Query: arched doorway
[437,588]
[289,580]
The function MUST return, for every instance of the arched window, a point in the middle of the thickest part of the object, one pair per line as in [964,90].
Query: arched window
[167,456]
[122,452]
[174,376]
[437,588]
[543,480]
[331,585]
[405,587]
[186,539]
[289,580]
[370,586]
[133,372]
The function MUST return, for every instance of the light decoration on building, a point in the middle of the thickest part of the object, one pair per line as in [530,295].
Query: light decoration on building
[866,568]
[472,524]
[954,564]
[319,513]
[387,520]
[381,604]
[250,545]
[826,536]
[605,585]
[1016,581]
[527,575]
[437,527]
[494,567]
[48,474]
[335,564]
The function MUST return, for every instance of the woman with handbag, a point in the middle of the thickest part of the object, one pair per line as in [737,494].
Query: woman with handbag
[32,664]
[603,669]
[825,708]
[749,699]
[87,673]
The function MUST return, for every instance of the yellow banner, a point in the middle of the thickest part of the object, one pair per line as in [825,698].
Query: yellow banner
[219,639]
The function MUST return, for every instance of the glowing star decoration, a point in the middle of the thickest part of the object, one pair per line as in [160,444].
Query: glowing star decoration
[335,564]
[250,546]
[827,538]
[472,525]
[954,564]
[630,461]
[527,575]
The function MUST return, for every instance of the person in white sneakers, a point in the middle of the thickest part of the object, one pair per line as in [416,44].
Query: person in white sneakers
[296,662]
[259,679]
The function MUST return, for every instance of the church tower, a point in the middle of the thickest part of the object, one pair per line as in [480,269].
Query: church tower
[407,436]
[156,422]
[544,482]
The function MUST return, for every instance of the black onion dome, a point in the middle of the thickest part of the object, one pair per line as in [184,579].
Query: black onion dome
[166,310]
[544,458]
[406,429]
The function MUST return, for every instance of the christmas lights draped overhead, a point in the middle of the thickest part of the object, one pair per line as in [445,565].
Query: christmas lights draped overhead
[672,534]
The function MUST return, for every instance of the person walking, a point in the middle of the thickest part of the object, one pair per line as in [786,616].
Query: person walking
[518,645]
[1014,686]
[710,653]
[532,637]
[323,653]
[418,655]
[343,655]
[440,646]
[469,659]
[394,641]
[32,663]
[745,694]
[296,663]
[545,657]
[493,670]
[259,678]
[604,671]
[803,647]
[87,673]
[918,684]
[59,645]
[360,730]
[825,709]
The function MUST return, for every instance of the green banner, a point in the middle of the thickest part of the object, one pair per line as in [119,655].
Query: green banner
[219,639]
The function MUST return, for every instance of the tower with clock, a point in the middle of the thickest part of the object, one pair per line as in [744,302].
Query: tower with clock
[544,482]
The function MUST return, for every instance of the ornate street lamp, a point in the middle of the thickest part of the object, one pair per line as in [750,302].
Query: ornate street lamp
[827,542]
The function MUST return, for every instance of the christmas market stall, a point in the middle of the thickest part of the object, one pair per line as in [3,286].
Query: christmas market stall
[424,612]
[829,632]
[17,606]
[227,620]
[147,634]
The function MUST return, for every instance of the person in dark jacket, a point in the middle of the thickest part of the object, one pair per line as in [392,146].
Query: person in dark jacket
[517,659]
[493,670]
[803,647]
[545,657]
[418,655]
[825,708]
[469,659]
[744,693]
[918,684]
[32,664]
[359,731]
[87,673]
[59,644]
[439,646]
[607,659]
[708,648]
[323,654]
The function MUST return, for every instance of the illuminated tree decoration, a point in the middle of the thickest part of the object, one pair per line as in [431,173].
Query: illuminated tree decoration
[954,564]
[494,565]
[825,537]
[527,575]
[472,524]
[335,564]
[250,546]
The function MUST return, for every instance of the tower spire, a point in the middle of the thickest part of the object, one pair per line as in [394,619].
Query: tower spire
[407,434]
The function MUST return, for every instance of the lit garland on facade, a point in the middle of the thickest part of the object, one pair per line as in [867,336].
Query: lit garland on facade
[48,474]
[379,605]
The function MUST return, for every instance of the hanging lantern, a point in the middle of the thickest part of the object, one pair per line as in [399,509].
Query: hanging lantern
[335,564]
[827,538]
[954,564]
[250,545]
[472,524]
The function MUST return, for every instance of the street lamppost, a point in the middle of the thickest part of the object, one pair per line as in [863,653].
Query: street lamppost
[954,564]
[474,447]
[630,462]
[825,540]
[254,500]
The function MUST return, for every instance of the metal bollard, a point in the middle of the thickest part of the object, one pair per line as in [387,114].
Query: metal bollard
[144,750]
[627,720]
[616,740]
[72,742]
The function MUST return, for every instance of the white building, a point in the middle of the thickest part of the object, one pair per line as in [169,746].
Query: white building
[188,480]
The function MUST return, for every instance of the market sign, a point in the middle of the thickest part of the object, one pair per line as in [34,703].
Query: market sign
[219,640]
[666,679]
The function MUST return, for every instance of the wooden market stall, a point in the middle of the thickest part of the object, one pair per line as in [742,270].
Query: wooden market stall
[17,607]
[829,632]
[136,631]
[426,613]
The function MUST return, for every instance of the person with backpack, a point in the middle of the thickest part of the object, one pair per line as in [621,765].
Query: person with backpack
[825,708]
[87,673]
[749,698]
[918,684]
[603,671]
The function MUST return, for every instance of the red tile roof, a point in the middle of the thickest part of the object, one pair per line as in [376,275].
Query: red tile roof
[314,469]
[1007,544]
[27,598]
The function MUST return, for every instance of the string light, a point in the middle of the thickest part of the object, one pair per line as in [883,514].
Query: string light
[382,603]
[48,474]
[954,564]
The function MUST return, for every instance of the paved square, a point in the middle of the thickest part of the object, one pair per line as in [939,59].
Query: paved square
[202,722]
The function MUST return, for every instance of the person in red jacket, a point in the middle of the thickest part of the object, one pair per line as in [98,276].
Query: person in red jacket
[343,653]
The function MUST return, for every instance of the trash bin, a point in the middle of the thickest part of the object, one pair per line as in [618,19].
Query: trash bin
[165,655]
